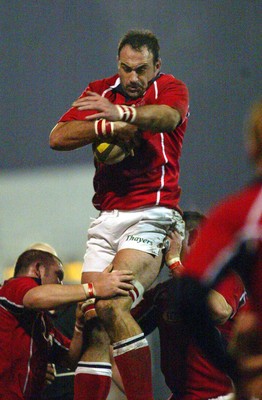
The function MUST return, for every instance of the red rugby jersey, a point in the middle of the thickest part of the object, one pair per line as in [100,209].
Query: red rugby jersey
[151,176]
[232,230]
[188,374]
[28,341]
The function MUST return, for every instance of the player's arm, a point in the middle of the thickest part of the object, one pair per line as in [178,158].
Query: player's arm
[220,310]
[172,253]
[108,284]
[75,134]
[246,350]
[69,358]
[72,135]
[157,118]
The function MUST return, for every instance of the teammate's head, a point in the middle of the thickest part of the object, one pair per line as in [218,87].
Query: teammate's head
[42,246]
[193,220]
[138,61]
[40,261]
[254,134]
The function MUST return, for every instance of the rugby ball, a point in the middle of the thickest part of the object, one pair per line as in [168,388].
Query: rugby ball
[108,152]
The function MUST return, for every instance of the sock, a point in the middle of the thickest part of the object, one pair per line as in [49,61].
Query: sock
[133,359]
[92,381]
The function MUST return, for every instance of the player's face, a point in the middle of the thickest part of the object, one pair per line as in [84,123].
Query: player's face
[136,69]
[54,274]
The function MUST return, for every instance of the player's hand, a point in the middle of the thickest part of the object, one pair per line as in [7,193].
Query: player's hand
[113,282]
[173,247]
[80,319]
[126,132]
[50,374]
[173,243]
[93,101]
[88,309]
[246,349]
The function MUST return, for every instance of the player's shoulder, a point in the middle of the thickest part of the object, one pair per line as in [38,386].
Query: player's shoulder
[17,281]
[13,291]
[232,211]
[100,85]
[164,79]
[240,201]
[18,284]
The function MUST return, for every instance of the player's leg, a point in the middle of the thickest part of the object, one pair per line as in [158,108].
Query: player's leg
[140,249]
[140,235]
[131,350]
[93,374]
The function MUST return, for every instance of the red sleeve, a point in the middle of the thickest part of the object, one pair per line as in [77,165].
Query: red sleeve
[17,288]
[232,289]
[217,232]
[174,93]
[73,114]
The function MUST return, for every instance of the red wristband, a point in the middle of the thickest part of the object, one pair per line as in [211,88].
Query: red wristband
[175,264]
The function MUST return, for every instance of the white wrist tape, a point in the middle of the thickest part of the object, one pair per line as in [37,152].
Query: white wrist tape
[126,113]
[104,128]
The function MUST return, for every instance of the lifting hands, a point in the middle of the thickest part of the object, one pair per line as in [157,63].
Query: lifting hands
[173,245]
[111,282]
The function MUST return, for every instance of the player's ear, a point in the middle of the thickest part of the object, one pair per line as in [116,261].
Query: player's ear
[40,269]
[158,65]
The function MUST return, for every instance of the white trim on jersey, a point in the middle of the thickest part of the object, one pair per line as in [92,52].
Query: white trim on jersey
[117,82]
[156,89]
[162,179]
[252,229]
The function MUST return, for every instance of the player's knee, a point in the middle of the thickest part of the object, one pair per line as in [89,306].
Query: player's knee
[95,334]
[109,310]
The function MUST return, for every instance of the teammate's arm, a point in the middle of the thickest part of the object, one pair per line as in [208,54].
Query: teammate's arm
[220,310]
[107,284]
[70,358]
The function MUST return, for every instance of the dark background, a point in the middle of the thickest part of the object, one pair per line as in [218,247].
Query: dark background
[50,50]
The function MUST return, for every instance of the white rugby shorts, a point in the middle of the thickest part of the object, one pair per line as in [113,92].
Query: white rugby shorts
[143,229]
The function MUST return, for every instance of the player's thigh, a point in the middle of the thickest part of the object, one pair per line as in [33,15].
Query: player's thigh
[145,266]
